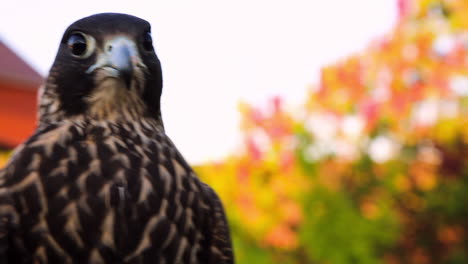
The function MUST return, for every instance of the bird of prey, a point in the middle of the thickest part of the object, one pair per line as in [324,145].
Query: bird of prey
[99,181]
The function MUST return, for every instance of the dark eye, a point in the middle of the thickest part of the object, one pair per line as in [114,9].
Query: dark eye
[147,42]
[79,45]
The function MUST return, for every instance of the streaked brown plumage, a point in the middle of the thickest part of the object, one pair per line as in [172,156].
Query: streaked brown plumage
[99,181]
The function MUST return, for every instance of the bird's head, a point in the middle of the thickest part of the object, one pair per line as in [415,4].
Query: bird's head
[106,67]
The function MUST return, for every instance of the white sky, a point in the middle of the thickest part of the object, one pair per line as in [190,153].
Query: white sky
[215,53]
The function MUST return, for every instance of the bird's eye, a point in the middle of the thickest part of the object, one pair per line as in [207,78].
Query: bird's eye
[80,46]
[147,41]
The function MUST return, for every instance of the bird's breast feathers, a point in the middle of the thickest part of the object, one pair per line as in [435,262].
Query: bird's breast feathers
[83,186]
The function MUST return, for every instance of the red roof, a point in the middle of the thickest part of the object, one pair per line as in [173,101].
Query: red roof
[18,95]
[13,68]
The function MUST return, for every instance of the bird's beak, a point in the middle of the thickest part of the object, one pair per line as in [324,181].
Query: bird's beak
[118,59]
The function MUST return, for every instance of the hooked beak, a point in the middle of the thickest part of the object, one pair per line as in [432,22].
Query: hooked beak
[119,59]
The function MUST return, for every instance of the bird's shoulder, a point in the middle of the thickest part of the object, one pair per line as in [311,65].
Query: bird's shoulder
[44,145]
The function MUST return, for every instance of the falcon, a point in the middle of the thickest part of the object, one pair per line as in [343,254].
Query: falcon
[99,181]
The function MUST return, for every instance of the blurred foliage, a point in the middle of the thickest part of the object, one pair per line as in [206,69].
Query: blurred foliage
[373,166]
[3,158]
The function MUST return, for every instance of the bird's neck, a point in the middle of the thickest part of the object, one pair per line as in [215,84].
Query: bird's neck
[111,100]
[89,123]
[111,104]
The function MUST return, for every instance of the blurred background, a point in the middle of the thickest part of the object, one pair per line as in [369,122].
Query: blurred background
[334,131]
